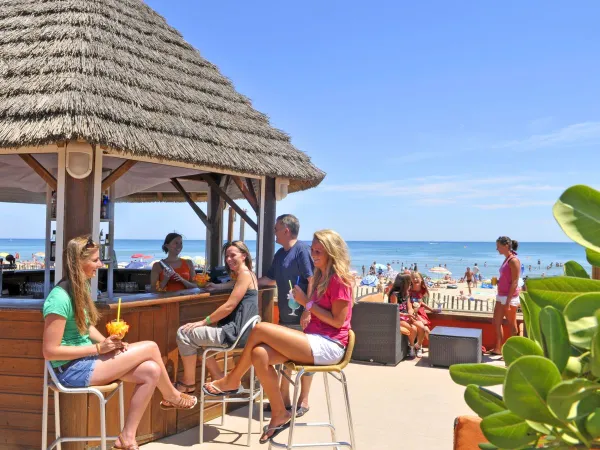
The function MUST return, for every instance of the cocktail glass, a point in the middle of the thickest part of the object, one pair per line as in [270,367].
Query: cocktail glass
[292,303]
[117,328]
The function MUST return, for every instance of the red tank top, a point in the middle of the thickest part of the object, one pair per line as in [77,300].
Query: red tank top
[505,279]
[184,271]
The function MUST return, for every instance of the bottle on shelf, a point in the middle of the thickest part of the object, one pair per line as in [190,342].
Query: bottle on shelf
[106,253]
[53,205]
[104,207]
[102,243]
[53,246]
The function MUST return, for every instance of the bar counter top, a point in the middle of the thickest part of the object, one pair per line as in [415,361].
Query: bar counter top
[128,300]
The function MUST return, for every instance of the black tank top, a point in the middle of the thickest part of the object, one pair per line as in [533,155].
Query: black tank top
[234,322]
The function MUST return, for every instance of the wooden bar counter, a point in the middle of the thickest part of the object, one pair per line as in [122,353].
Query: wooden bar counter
[154,317]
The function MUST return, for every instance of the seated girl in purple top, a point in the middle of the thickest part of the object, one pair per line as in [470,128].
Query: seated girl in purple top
[326,335]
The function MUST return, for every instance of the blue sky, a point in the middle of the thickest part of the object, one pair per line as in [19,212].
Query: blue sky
[433,120]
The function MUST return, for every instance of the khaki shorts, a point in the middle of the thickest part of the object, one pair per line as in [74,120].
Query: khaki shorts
[189,342]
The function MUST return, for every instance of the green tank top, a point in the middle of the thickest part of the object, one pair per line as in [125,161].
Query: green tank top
[59,302]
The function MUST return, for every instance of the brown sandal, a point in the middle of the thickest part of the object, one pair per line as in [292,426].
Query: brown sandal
[181,403]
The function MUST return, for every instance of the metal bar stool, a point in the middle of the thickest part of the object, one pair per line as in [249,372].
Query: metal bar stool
[98,391]
[244,396]
[326,370]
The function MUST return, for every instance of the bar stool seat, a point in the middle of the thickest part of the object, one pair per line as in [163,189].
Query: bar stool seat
[331,370]
[51,383]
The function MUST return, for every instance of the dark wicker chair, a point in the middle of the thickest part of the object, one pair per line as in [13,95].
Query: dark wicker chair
[378,337]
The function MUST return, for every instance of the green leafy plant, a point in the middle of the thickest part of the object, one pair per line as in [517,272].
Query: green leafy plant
[551,382]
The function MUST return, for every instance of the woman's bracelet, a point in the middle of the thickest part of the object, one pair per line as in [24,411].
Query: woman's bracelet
[98,348]
[207,320]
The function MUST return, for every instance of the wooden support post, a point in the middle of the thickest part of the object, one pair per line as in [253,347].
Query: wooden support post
[214,238]
[78,213]
[230,224]
[242,223]
[595,273]
[267,242]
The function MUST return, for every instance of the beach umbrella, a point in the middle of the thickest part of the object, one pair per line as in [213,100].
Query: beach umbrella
[40,254]
[440,271]
[137,255]
[147,257]
[3,255]
[380,266]
[186,257]
[199,260]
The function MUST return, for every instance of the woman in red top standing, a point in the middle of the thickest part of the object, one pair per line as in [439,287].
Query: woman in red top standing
[323,342]
[507,300]
[184,268]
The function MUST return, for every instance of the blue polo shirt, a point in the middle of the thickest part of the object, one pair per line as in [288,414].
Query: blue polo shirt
[286,267]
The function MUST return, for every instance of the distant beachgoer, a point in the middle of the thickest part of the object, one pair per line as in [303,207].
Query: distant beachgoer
[539,263]
[507,300]
[485,264]
[477,275]
[363,270]
[415,268]
[469,278]
[530,267]
[389,267]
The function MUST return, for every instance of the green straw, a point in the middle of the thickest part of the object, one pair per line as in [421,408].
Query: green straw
[291,287]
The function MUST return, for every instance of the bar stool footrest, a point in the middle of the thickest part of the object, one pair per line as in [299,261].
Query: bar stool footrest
[62,439]
[321,444]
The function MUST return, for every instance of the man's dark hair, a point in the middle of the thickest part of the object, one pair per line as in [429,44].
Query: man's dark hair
[291,223]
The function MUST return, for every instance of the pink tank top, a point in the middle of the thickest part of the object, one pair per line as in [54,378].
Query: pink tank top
[505,279]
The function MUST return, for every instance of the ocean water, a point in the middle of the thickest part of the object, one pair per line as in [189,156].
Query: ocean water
[455,255]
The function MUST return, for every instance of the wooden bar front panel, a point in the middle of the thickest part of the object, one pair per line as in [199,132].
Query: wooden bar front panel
[21,377]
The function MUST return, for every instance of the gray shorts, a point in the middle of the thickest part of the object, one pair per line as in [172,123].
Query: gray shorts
[200,337]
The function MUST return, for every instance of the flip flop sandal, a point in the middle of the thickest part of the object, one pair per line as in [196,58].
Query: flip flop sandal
[276,430]
[167,406]
[186,386]
[267,408]
[219,392]
[301,411]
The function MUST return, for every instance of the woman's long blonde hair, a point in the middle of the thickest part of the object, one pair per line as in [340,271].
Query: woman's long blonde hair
[338,262]
[78,250]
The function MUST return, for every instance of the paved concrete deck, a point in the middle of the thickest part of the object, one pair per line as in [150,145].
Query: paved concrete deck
[411,406]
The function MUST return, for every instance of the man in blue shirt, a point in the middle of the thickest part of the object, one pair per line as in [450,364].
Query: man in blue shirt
[291,263]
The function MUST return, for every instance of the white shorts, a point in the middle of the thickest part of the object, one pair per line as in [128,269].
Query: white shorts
[515,301]
[325,352]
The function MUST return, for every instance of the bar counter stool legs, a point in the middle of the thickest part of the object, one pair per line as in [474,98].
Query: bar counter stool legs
[98,391]
[335,371]
[251,393]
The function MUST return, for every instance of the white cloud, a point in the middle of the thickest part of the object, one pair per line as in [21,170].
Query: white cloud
[435,190]
[523,204]
[576,134]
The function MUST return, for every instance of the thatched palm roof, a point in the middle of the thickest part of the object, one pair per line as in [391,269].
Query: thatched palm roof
[112,72]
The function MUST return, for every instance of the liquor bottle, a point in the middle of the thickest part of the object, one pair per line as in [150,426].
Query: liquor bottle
[102,244]
[53,246]
[104,207]
[106,253]
[169,272]
[53,205]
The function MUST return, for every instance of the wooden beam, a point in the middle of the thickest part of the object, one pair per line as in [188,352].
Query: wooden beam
[203,217]
[40,170]
[230,224]
[213,184]
[246,193]
[251,190]
[117,173]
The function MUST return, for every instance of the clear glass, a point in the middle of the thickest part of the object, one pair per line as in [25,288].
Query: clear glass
[292,303]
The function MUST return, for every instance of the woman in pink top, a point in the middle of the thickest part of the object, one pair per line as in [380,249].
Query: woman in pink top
[324,339]
[507,300]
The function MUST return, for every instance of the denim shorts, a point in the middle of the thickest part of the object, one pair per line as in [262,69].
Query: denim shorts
[76,373]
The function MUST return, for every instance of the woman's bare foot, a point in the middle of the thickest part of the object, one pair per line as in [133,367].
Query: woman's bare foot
[273,427]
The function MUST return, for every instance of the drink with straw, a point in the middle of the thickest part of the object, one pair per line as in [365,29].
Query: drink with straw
[292,303]
[117,327]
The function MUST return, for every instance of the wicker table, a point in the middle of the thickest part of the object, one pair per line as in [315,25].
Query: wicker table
[450,345]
